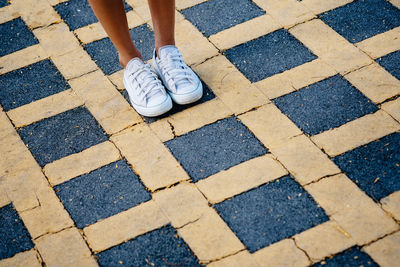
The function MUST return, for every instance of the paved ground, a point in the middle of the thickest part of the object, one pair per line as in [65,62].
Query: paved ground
[292,157]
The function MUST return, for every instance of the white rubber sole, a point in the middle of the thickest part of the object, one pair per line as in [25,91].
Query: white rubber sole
[181,99]
[152,111]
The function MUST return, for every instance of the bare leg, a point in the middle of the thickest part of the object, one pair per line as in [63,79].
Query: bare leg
[163,17]
[111,14]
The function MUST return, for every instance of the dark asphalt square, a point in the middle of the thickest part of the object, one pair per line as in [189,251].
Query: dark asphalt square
[325,105]
[102,193]
[162,247]
[270,213]
[207,96]
[215,147]
[351,257]
[374,167]
[31,83]
[15,35]
[14,237]
[268,55]
[362,19]
[214,16]
[391,63]
[78,13]
[61,135]
[105,54]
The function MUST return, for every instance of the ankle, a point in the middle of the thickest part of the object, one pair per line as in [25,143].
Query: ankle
[158,45]
[125,58]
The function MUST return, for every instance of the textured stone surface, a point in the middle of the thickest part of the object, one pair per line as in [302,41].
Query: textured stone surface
[102,193]
[270,213]
[256,63]
[215,147]
[325,105]
[48,141]
[14,236]
[161,247]
[31,83]
[15,36]
[211,17]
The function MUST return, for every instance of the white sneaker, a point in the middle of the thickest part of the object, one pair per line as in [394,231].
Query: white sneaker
[146,92]
[182,83]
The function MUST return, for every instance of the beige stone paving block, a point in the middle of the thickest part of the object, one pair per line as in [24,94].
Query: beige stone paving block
[276,85]
[117,78]
[319,6]
[304,160]
[270,125]
[356,133]
[44,108]
[90,33]
[393,108]
[381,44]
[183,4]
[36,13]
[352,209]
[283,253]
[162,129]
[241,259]
[210,238]
[95,31]
[136,3]
[36,202]
[80,163]
[104,101]
[195,117]
[8,13]
[309,73]
[66,248]
[4,200]
[153,162]
[230,85]
[124,226]
[244,32]
[93,87]
[324,240]
[391,204]
[295,78]
[22,58]
[337,194]
[24,259]
[182,203]
[49,217]
[286,12]
[114,114]
[74,63]
[374,82]
[194,47]
[144,12]
[56,39]
[385,252]
[328,45]
[240,178]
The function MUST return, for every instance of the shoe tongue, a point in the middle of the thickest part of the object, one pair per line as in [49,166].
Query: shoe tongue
[134,64]
[163,52]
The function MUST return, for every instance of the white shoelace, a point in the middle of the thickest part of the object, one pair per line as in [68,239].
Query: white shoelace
[150,84]
[175,71]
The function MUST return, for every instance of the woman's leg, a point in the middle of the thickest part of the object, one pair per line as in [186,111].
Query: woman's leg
[111,14]
[163,17]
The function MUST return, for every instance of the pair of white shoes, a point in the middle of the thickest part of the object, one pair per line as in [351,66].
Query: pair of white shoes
[147,93]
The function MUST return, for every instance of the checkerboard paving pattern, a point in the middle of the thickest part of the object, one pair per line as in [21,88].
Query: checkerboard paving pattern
[291,158]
